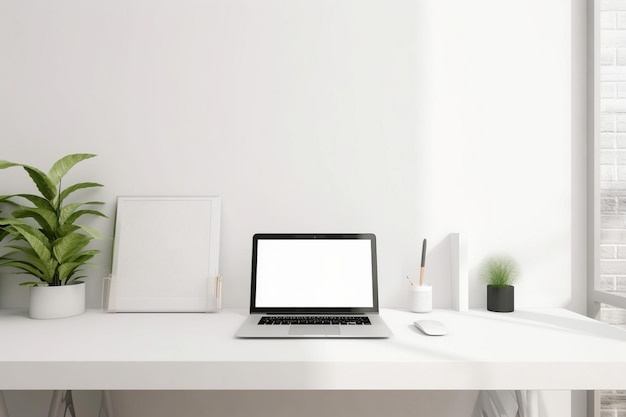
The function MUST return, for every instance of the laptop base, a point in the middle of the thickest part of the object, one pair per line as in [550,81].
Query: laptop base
[251,329]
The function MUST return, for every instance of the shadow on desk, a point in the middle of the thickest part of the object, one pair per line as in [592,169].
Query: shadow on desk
[584,326]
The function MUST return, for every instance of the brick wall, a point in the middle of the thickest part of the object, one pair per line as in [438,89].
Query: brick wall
[613,174]
[613,147]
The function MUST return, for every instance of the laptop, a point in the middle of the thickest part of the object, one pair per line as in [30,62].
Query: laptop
[314,286]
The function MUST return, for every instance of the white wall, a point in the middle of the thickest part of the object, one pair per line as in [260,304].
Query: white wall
[406,119]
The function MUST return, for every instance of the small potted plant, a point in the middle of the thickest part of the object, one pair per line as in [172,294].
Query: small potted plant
[44,240]
[500,272]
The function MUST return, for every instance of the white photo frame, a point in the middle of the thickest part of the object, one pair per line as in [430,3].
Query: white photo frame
[165,255]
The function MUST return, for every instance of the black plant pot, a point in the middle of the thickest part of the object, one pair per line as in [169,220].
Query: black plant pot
[501,299]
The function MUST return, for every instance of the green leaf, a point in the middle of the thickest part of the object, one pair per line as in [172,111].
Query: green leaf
[43,183]
[8,226]
[32,284]
[67,211]
[75,279]
[67,269]
[37,201]
[9,229]
[71,219]
[26,267]
[23,249]
[41,180]
[44,217]
[86,255]
[37,240]
[7,164]
[8,256]
[76,187]
[66,229]
[69,214]
[8,222]
[93,232]
[63,165]
[47,268]
[66,247]
[7,199]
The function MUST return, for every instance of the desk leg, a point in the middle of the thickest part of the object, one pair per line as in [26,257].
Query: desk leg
[507,404]
[55,403]
[106,405]
[60,397]
[3,407]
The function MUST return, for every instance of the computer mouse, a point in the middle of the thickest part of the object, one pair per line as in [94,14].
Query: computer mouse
[431,327]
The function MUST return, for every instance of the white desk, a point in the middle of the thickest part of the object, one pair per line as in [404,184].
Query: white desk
[538,349]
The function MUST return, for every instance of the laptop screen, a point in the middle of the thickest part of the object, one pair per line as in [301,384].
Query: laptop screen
[314,273]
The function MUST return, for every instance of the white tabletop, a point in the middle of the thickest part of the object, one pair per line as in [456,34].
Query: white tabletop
[533,349]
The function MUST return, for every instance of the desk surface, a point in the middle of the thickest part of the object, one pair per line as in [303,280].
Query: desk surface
[532,349]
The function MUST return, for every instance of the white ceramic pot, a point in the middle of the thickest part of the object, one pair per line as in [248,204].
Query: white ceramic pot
[57,302]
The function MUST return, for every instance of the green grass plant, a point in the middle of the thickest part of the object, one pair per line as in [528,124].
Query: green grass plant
[500,270]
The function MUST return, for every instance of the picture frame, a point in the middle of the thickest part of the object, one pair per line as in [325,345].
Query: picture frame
[165,255]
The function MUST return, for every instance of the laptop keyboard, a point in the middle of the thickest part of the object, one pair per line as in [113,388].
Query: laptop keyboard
[315,320]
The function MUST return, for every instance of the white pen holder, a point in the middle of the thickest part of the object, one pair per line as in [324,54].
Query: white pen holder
[421,298]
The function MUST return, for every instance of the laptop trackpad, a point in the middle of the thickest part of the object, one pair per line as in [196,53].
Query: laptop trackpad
[313,330]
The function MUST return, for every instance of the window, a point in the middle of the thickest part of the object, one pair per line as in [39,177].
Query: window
[609,289]
[607,237]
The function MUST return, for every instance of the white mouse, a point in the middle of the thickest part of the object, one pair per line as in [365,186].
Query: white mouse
[431,327]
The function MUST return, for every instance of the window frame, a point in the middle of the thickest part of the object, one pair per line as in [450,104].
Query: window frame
[595,297]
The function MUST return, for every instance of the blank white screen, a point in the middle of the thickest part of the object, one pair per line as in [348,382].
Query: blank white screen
[314,273]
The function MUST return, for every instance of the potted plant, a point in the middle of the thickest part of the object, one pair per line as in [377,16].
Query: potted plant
[45,241]
[500,272]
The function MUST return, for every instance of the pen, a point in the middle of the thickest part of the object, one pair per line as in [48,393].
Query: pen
[218,291]
[423,265]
